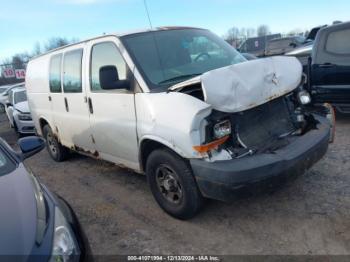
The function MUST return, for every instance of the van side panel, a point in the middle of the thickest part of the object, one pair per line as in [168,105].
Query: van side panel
[37,85]
[173,119]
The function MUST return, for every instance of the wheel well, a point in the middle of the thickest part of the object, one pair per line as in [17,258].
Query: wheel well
[43,123]
[147,146]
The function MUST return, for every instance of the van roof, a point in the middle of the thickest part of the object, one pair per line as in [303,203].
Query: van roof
[132,32]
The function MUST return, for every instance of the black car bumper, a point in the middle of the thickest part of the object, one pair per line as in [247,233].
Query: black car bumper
[219,179]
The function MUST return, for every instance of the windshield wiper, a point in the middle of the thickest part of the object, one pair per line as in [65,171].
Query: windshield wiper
[177,78]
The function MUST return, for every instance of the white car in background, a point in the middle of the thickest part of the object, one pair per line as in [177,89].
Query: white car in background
[4,92]
[17,110]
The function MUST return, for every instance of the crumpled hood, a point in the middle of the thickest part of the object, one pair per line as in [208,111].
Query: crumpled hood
[18,213]
[249,84]
[23,107]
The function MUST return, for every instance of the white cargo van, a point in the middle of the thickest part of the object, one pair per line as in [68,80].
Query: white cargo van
[180,105]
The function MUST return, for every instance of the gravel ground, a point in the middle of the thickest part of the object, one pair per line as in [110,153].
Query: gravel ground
[306,215]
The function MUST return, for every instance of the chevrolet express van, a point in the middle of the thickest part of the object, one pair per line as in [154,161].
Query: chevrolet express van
[180,105]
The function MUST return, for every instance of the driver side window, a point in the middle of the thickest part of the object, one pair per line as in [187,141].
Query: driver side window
[105,54]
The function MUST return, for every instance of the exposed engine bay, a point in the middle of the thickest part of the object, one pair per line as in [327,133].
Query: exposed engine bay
[263,129]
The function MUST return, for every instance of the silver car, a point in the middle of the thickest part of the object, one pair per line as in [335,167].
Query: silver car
[17,110]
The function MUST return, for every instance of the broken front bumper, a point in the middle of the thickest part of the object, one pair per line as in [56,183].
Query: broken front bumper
[217,180]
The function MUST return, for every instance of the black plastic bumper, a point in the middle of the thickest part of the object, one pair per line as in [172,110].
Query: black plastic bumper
[217,180]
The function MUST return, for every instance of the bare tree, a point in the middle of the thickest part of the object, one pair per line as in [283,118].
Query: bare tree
[19,60]
[243,32]
[37,49]
[295,32]
[232,35]
[251,32]
[55,42]
[263,30]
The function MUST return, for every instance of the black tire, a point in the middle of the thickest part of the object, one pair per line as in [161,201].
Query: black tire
[57,152]
[189,200]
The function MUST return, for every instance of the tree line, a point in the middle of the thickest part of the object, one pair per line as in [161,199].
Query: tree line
[235,36]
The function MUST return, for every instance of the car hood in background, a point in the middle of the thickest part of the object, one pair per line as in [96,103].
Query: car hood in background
[249,84]
[305,50]
[17,214]
[23,107]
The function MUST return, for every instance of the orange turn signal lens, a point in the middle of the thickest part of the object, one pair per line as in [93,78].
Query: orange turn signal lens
[210,146]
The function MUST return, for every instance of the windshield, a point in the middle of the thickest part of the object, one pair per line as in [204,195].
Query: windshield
[165,58]
[20,97]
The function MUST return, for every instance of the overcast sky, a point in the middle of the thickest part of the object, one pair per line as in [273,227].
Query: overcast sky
[25,22]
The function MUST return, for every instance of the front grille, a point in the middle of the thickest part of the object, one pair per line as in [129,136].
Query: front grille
[264,126]
[28,128]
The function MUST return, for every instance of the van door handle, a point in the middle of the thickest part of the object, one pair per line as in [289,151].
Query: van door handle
[50,99]
[327,65]
[66,104]
[91,109]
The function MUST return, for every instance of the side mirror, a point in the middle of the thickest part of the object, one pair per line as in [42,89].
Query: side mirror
[109,79]
[30,146]
[8,104]
[294,45]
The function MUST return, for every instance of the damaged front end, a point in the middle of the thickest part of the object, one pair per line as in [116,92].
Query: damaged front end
[261,125]
[258,107]
[262,129]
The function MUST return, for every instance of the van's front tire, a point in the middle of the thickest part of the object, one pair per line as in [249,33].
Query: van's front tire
[57,152]
[172,184]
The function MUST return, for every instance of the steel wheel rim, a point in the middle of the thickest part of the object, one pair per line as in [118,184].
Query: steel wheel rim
[51,143]
[168,184]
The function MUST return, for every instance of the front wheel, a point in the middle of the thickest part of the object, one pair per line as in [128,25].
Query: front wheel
[57,152]
[173,185]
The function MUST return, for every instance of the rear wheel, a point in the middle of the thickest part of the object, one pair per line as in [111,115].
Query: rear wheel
[173,185]
[57,152]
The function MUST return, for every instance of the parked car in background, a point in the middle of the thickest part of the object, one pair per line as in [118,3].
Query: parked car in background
[327,66]
[313,33]
[281,46]
[36,224]
[4,91]
[257,45]
[160,102]
[302,53]
[249,56]
[18,113]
